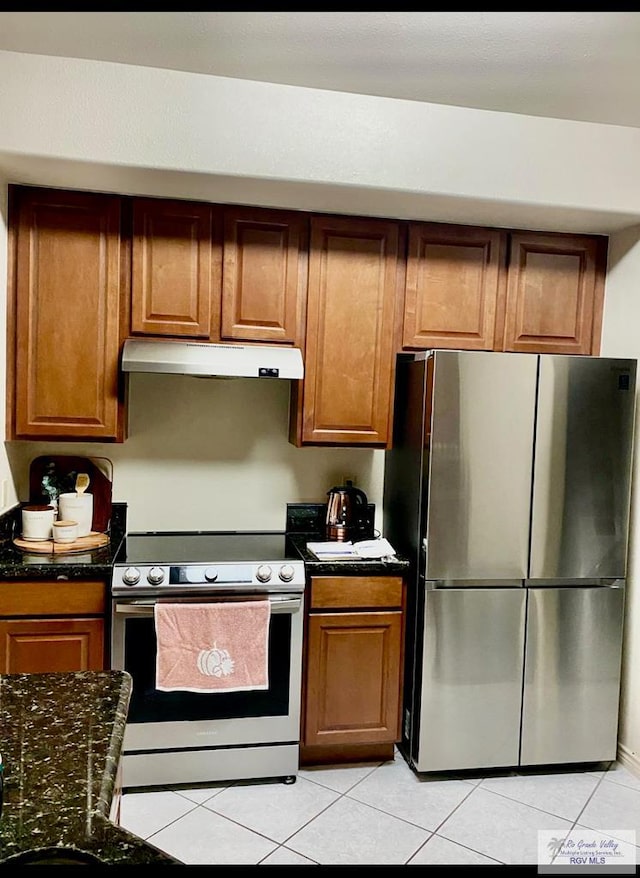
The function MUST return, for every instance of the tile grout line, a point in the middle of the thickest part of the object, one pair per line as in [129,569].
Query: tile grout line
[442,822]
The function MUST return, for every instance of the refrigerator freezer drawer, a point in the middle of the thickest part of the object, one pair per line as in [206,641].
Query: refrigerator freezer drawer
[572,675]
[471,684]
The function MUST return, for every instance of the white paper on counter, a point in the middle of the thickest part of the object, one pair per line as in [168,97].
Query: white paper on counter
[380,548]
[334,550]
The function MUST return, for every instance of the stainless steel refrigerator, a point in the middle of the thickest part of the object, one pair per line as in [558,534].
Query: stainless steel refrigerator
[508,485]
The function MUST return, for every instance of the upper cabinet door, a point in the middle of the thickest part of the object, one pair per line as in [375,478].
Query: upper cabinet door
[173,268]
[69,269]
[453,286]
[555,287]
[264,275]
[351,338]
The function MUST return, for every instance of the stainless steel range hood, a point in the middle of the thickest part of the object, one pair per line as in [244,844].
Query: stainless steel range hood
[212,360]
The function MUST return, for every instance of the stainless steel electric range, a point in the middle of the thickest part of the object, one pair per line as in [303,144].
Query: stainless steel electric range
[186,737]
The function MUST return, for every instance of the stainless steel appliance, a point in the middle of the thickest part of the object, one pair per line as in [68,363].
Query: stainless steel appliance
[508,485]
[211,360]
[186,737]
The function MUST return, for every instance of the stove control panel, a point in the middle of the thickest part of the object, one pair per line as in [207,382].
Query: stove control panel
[270,576]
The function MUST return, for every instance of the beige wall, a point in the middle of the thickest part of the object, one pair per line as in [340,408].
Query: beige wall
[621,337]
[8,496]
[98,125]
[207,454]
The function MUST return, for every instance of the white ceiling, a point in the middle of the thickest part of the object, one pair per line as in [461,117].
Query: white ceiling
[572,65]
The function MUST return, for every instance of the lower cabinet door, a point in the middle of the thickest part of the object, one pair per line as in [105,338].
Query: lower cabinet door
[353,681]
[40,646]
[572,675]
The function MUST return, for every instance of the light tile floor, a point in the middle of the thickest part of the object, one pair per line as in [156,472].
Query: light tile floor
[382,814]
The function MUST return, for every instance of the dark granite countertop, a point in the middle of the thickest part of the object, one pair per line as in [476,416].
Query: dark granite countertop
[17,563]
[351,567]
[61,738]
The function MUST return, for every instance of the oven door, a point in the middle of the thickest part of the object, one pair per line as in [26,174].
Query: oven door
[172,720]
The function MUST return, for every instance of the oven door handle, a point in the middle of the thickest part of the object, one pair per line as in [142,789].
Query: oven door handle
[145,608]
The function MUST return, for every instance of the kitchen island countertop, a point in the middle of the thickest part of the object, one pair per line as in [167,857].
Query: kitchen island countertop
[61,738]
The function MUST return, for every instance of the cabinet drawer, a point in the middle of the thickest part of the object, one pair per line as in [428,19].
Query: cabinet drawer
[338,592]
[52,598]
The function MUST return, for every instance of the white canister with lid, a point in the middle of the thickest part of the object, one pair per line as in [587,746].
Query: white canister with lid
[37,522]
[77,507]
[64,531]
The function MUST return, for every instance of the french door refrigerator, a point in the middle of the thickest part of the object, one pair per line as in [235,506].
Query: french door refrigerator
[508,485]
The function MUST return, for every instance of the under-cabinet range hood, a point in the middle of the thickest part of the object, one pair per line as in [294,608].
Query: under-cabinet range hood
[211,360]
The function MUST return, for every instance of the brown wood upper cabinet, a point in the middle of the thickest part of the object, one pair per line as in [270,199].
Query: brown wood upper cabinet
[173,268]
[346,397]
[218,274]
[264,272]
[555,289]
[453,286]
[484,289]
[66,310]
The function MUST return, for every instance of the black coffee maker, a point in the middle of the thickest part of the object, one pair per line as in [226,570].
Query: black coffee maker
[347,517]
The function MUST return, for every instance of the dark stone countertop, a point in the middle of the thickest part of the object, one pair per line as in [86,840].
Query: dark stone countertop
[17,563]
[61,737]
[397,566]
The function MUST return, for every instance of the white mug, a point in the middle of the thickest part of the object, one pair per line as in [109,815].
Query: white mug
[37,522]
[77,507]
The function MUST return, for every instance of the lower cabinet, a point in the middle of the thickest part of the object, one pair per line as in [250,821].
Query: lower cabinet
[52,626]
[353,668]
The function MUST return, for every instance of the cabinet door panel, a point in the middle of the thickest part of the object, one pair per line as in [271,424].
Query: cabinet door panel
[264,276]
[554,293]
[68,301]
[452,286]
[350,347]
[353,689]
[172,268]
[39,646]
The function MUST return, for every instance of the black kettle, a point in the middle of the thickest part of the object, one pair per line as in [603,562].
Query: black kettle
[347,510]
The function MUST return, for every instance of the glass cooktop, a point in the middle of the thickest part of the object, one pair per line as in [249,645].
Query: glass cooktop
[205,547]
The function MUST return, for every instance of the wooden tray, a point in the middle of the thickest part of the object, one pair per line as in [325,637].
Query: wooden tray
[66,467]
[49,547]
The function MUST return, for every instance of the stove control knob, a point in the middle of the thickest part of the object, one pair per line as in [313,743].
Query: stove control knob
[155,575]
[131,576]
[211,574]
[263,573]
[286,573]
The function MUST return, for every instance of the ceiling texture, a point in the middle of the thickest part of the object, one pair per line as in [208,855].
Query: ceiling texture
[583,66]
